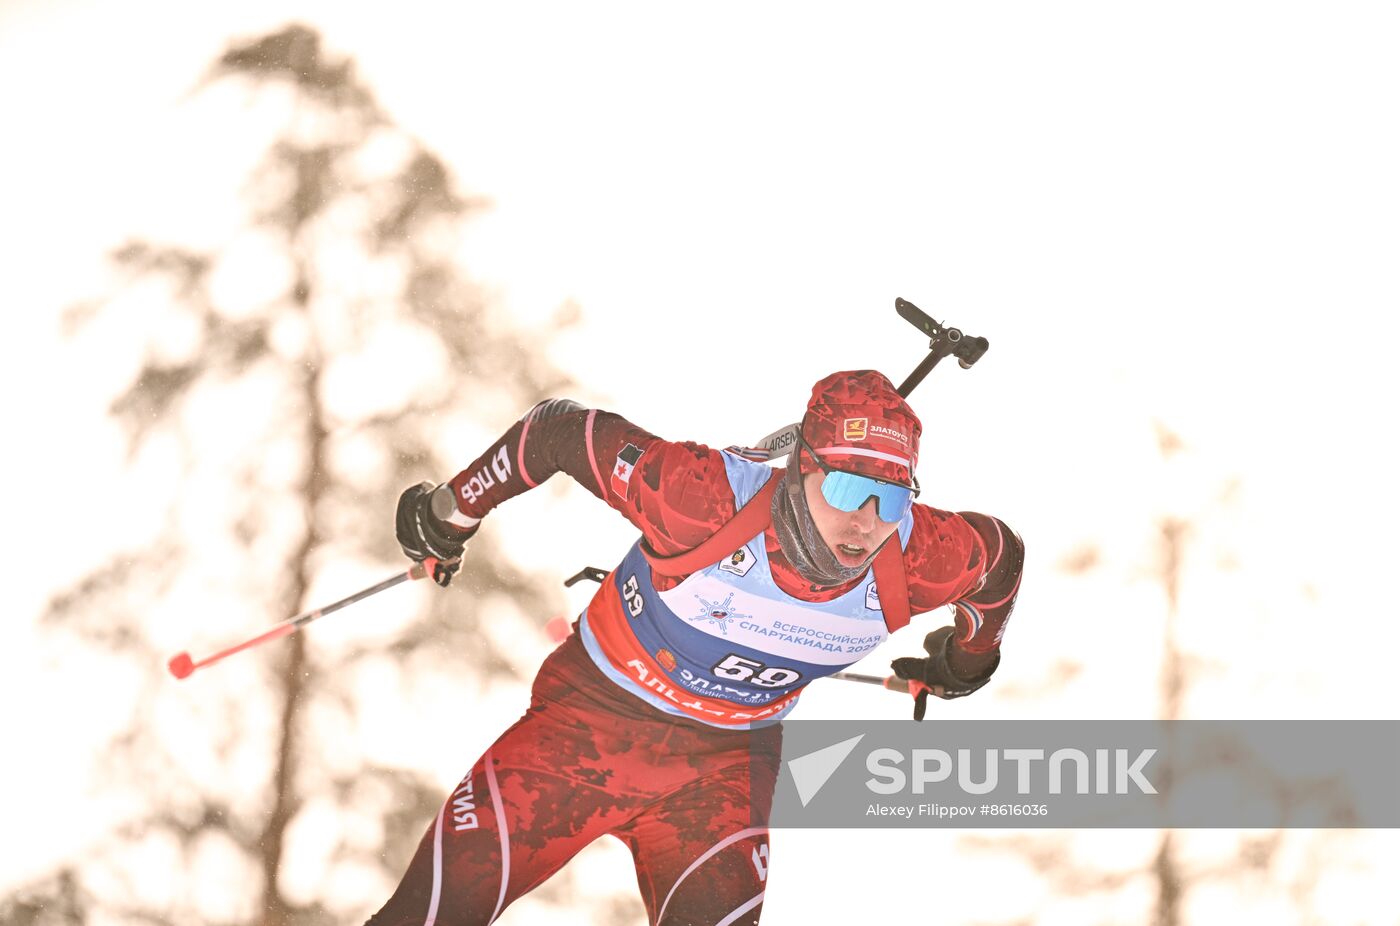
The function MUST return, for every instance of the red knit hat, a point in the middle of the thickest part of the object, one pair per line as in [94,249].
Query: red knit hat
[857,421]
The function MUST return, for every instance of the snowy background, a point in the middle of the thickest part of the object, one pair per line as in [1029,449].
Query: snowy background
[1176,224]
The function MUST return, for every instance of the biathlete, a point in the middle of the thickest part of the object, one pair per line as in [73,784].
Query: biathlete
[657,721]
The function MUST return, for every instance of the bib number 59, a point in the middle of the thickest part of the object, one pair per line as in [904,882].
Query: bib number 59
[633,596]
[737,668]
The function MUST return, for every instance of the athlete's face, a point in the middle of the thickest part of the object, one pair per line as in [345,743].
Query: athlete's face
[851,535]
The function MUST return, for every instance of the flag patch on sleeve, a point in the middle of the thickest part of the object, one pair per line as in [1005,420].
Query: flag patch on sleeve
[622,470]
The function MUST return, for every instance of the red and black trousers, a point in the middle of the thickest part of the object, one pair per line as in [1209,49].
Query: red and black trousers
[587,760]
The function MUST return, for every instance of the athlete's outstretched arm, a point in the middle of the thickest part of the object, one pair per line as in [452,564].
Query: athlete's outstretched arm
[982,613]
[973,562]
[676,494]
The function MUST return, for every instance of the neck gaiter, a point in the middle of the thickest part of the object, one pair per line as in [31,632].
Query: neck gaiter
[801,542]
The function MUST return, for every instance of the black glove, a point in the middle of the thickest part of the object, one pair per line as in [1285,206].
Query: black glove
[934,674]
[423,535]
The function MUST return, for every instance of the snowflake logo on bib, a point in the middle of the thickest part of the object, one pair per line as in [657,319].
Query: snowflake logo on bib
[717,614]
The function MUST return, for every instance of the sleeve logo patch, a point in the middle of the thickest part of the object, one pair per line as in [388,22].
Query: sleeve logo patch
[622,469]
[739,562]
[481,480]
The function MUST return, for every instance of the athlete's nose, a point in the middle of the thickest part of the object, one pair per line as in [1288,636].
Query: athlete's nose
[866,516]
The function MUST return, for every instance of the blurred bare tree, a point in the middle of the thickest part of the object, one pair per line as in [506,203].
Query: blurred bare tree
[1065,860]
[292,447]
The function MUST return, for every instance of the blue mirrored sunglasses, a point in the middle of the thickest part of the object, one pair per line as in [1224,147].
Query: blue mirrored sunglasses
[850,491]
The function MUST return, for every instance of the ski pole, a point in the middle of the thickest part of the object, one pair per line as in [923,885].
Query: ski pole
[558,630]
[182,666]
[889,682]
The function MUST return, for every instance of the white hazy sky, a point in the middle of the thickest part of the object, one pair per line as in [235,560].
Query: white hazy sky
[1184,212]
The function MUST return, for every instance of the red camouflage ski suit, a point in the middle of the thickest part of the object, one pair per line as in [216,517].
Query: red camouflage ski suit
[688,797]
